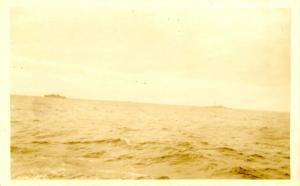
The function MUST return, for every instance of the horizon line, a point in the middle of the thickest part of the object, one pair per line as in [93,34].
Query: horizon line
[154,103]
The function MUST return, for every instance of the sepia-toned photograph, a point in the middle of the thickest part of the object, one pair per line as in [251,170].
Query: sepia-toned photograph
[150,91]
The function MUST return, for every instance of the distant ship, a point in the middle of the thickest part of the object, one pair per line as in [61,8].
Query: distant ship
[54,96]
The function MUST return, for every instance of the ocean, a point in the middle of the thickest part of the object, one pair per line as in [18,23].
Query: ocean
[53,138]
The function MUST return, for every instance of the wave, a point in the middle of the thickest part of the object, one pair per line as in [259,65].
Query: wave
[177,158]
[22,150]
[246,172]
[94,154]
[40,142]
[116,141]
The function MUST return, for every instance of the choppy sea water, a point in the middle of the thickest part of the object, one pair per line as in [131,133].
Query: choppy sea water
[81,139]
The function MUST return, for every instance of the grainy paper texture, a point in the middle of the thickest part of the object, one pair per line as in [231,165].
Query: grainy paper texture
[187,92]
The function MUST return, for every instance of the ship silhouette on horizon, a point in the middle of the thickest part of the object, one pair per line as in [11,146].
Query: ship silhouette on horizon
[54,96]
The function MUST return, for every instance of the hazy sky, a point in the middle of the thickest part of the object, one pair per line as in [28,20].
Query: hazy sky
[161,54]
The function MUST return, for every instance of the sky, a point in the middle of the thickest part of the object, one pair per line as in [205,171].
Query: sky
[152,52]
